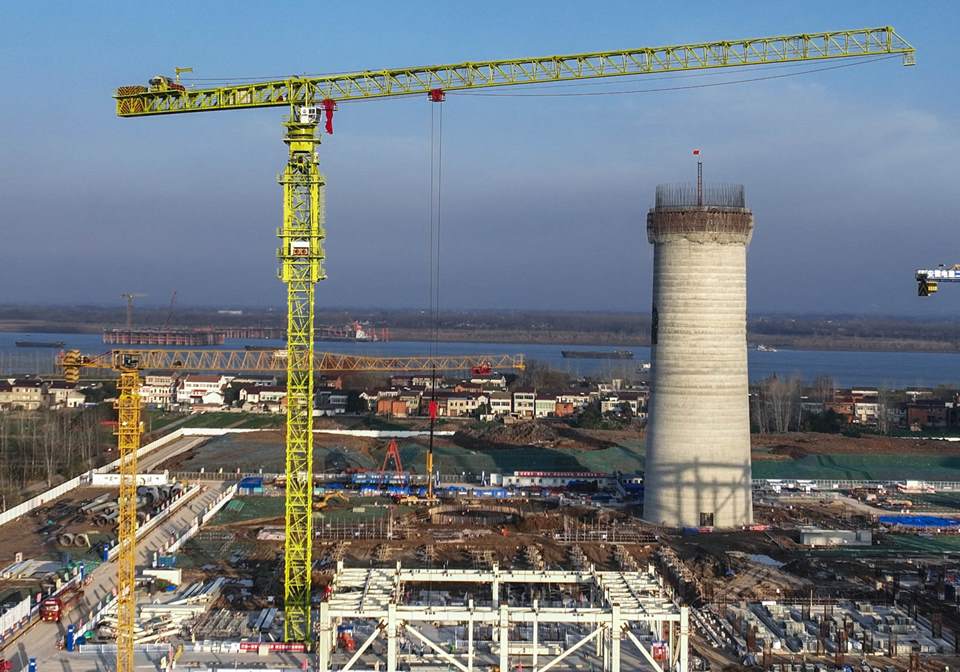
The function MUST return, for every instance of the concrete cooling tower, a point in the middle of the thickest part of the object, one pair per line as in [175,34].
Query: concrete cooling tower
[698,435]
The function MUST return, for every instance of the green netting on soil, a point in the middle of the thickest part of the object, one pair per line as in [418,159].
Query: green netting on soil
[862,467]
[249,508]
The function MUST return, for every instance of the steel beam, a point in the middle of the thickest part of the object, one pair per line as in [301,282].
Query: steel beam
[436,649]
[363,647]
[576,647]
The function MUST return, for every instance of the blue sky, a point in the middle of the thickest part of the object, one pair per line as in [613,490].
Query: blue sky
[851,173]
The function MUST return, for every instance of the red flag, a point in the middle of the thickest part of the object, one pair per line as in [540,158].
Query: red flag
[433,409]
[696,152]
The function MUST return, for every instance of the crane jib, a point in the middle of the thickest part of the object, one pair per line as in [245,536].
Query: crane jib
[163,96]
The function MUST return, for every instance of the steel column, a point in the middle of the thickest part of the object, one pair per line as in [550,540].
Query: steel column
[325,638]
[684,638]
[536,634]
[470,638]
[615,634]
[504,630]
[392,638]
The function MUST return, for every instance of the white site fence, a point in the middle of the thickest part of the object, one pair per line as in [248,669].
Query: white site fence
[20,615]
[201,520]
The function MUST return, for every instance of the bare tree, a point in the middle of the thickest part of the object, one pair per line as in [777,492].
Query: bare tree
[777,405]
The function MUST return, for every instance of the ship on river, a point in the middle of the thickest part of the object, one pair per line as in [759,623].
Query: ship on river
[597,354]
[58,345]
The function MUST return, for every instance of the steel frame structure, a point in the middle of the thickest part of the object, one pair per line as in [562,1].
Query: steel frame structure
[301,235]
[628,600]
[508,72]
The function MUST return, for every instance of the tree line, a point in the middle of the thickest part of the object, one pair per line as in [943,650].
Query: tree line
[48,446]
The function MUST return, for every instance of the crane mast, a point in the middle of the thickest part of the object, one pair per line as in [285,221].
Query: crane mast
[301,234]
[301,256]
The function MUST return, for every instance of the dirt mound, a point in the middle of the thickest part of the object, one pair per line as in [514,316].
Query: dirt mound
[507,436]
[799,445]
[530,433]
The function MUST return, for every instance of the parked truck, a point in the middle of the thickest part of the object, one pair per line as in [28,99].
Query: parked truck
[52,609]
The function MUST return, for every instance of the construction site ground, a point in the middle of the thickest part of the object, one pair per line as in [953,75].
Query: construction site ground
[23,536]
[40,641]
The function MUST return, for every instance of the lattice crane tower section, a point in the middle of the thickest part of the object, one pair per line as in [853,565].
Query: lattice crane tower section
[300,254]
[301,234]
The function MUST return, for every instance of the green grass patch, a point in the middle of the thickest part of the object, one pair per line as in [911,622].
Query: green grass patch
[215,420]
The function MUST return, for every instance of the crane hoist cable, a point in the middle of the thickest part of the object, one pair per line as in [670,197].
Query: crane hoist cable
[436,183]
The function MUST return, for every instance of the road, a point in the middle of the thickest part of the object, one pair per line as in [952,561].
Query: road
[158,456]
[40,641]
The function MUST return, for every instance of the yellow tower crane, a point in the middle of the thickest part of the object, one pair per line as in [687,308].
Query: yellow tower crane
[301,233]
[130,362]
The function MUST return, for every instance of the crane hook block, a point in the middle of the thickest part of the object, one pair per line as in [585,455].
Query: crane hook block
[329,107]
[437,95]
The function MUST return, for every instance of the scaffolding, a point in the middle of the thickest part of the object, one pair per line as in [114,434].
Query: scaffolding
[486,623]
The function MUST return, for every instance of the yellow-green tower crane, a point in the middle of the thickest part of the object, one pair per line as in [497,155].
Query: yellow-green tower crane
[301,234]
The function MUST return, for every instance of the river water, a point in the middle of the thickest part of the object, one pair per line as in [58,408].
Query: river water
[849,369]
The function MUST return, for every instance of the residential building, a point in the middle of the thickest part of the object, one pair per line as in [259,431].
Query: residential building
[842,405]
[866,412]
[28,394]
[194,386]
[331,402]
[413,399]
[524,402]
[462,404]
[927,414]
[492,381]
[265,398]
[619,402]
[425,381]
[391,407]
[544,404]
[577,399]
[159,389]
[61,394]
[501,403]
[6,394]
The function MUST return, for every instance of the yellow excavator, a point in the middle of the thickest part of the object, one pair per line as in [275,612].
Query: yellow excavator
[322,503]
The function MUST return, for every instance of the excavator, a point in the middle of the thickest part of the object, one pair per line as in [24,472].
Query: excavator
[322,503]
[928,279]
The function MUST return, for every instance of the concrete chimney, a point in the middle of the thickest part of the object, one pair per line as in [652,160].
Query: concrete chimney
[698,436]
